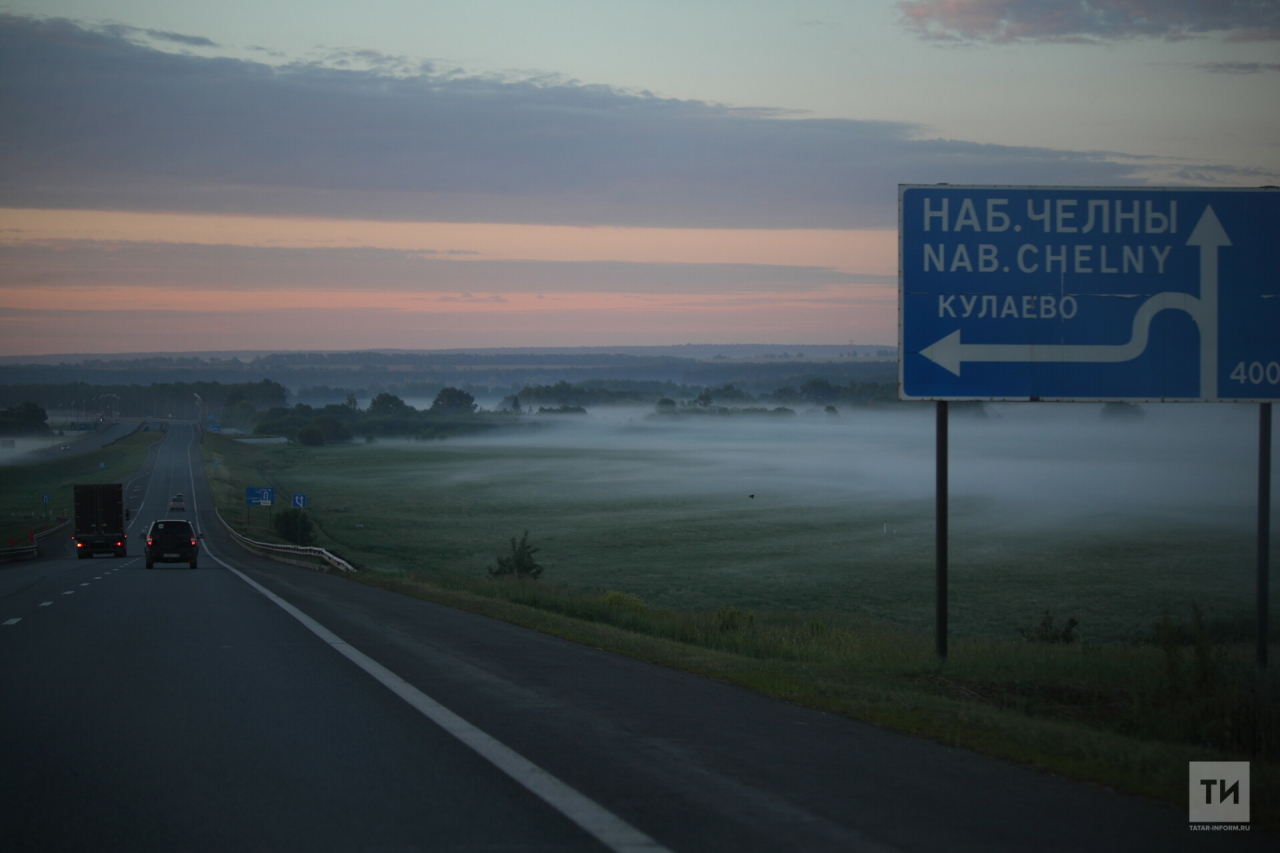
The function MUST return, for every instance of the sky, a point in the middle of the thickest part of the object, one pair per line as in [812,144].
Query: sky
[300,174]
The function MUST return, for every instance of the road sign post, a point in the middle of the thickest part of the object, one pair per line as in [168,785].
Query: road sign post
[941,492]
[258,496]
[1264,529]
[299,502]
[1089,294]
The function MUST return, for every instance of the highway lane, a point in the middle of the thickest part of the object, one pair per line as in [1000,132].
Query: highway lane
[173,709]
[184,710]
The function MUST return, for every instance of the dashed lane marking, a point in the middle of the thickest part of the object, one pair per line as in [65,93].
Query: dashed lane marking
[45,603]
[84,584]
[70,592]
[13,621]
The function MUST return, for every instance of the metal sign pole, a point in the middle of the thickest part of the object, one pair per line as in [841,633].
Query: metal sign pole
[1264,526]
[940,534]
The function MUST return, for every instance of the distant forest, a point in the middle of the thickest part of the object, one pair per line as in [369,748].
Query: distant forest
[319,378]
[86,401]
[342,395]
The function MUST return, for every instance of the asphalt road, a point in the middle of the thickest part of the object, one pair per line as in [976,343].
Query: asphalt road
[174,709]
[109,434]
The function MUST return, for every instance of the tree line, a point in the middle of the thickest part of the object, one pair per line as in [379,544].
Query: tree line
[453,412]
[157,400]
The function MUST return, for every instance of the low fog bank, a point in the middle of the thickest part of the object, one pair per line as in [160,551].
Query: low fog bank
[16,455]
[1050,466]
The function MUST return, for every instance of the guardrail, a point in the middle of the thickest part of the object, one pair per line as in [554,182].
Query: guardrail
[31,550]
[275,552]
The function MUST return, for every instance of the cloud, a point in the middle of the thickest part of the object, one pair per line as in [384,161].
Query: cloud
[1074,21]
[1238,67]
[129,33]
[217,267]
[95,120]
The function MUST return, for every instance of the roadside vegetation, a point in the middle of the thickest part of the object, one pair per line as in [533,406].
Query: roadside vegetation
[25,419]
[22,486]
[453,413]
[1121,681]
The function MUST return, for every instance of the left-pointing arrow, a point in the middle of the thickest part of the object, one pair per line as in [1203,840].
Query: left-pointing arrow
[950,353]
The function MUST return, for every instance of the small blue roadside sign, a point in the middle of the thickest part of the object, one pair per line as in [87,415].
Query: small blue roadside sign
[214,427]
[102,465]
[1087,293]
[44,499]
[300,501]
[259,496]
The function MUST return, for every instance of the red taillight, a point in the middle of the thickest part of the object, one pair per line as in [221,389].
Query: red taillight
[148,540]
[119,543]
[79,544]
[193,541]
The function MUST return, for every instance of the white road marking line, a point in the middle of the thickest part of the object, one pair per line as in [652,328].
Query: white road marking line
[13,621]
[84,584]
[45,603]
[590,816]
[98,578]
[70,592]
[593,818]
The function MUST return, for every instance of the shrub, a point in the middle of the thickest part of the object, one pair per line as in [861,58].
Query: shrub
[294,525]
[1047,632]
[311,436]
[731,619]
[521,563]
[624,601]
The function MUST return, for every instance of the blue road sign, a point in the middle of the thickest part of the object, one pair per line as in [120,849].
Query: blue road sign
[1075,293]
[44,499]
[300,501]
[259,496]
[215,427]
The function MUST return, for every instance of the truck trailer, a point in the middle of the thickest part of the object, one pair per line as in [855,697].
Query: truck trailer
[100,520]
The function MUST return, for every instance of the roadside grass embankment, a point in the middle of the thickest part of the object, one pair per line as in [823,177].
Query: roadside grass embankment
[22,486]
[1125,706]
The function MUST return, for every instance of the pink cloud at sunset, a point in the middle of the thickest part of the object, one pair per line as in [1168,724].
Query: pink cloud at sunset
[230,282]
[867,251]
[112,319]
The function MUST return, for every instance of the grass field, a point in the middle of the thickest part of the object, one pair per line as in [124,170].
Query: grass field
[22,486]
[841,519]
[819,589]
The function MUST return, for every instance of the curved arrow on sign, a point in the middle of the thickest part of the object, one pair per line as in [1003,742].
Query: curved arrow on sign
[949,353]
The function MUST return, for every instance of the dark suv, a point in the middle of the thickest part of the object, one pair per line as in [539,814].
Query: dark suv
[171,541]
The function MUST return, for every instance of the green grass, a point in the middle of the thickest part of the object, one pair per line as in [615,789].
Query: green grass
[814,603]
[450,507]
[21,486]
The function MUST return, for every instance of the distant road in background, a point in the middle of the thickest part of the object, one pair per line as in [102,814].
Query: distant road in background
[84,444]
[175,709]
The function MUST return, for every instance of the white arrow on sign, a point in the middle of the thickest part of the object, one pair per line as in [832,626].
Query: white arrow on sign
[949,353]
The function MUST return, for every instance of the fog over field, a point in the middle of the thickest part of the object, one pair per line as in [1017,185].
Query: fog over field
[1113,520]
[1051,466]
